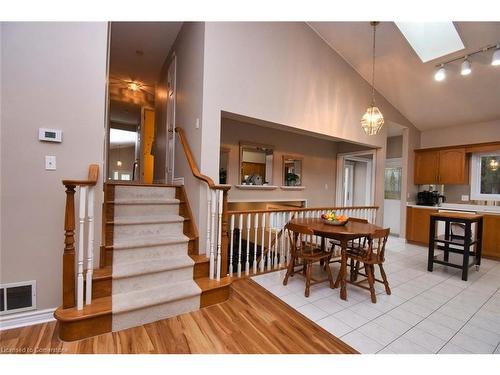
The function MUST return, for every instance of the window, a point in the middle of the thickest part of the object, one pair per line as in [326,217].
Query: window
[392,183]
[485,176]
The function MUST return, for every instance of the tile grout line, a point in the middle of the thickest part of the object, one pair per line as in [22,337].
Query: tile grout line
[468,320]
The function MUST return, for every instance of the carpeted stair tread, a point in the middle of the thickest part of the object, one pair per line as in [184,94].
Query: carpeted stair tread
[156,219]
[147,241]
[135,300]
[153,265]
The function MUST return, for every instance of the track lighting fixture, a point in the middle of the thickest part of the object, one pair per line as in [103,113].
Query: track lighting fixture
[495,60]
[440,74]
[466,67]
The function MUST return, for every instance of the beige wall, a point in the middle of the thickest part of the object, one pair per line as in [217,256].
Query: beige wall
[460,135]
[318,165]
[53,75]
[395,147]
[282,72]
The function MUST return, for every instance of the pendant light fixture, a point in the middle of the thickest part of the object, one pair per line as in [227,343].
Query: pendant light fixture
[372,121]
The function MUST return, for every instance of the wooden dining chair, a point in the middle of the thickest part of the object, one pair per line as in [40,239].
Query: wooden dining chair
[356,243]
[370,255]
[304,250]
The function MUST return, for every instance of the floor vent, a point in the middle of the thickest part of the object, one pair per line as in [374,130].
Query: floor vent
[17,297]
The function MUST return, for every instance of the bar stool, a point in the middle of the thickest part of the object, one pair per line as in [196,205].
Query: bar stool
[463,242]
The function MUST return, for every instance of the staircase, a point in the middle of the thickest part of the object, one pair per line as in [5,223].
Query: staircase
[151,268]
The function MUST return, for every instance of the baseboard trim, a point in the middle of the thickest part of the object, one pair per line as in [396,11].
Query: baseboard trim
[26,319]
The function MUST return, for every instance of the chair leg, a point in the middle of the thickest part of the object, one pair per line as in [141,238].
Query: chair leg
[329,273]
[289,271]
[308,278]
[384,279]
[371,281]
[353,273]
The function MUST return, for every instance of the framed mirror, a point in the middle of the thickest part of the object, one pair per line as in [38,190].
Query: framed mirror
[292,171]
[256,164]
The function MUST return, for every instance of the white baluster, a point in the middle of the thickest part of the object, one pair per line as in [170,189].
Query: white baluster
[263,242]
[90,246]
[247,263]
[212,234]
[209,216]
[271,214]
[219,232]
[256,239]
[240,227]
[275,227]
[81,250]
[231,231]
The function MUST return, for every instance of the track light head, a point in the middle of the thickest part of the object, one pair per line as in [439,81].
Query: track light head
[495,60]
[440,74]
[466,67]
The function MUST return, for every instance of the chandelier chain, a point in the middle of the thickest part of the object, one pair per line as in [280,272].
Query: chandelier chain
[373,63]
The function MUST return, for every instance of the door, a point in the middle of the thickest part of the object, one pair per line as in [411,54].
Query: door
[453,167]
[147,138]
[348,184]
[426,167]
[171,102]
[392,195]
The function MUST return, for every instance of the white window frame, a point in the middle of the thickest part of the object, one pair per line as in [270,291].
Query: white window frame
[475,178]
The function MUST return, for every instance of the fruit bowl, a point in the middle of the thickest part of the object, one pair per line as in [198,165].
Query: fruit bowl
[335,222]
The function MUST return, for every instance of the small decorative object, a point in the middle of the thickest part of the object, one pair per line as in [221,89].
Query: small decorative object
[291,179]
[331,218]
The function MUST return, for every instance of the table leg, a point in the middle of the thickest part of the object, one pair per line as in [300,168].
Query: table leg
[467,241]
[341,278]
[479,243]
[432,234]
[446,237]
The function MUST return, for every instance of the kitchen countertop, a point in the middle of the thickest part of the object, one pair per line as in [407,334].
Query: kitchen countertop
[461,207]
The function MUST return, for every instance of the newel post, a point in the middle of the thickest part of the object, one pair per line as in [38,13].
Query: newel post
[225,233]
[69,249]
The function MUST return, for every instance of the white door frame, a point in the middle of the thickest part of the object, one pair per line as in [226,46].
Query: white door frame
[170,119]
[371,168]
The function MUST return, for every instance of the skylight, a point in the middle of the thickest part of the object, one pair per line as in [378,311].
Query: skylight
[431,40]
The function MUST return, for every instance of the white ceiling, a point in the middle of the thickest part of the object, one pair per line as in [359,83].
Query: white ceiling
[408,84]
[154,39]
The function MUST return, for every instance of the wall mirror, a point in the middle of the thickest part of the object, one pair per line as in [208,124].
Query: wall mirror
[292,171]
[256,164]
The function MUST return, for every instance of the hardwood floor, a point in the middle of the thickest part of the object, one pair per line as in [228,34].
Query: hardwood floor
[251,321]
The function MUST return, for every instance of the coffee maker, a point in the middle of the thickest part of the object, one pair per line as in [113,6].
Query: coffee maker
[430,198]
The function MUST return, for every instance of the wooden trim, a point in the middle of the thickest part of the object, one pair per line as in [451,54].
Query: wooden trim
[189,227]
[476,147]
[68,281]
[301,209]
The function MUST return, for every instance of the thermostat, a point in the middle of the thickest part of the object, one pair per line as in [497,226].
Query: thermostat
[50,135]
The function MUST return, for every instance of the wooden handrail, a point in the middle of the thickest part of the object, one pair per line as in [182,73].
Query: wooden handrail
[93,176]
[301,209]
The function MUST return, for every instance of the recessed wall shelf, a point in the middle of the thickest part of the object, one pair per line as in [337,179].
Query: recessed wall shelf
[256,187]
[292,187]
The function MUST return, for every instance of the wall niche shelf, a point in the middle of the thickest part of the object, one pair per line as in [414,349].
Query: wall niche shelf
[292,187]
[256,187]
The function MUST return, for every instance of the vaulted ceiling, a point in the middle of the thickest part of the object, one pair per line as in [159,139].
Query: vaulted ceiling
[408,84]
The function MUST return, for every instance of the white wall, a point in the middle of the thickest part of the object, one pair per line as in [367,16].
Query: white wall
[53,75]
[284,73]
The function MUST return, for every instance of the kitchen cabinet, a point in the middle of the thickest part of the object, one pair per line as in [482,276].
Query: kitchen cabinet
[418,224]
[491,236]
[442,166]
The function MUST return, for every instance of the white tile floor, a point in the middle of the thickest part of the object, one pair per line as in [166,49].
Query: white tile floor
[427,312]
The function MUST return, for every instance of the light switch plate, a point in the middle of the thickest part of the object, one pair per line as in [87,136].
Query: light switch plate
[50,163]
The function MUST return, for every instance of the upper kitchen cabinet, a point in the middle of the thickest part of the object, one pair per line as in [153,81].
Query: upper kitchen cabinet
[426,167]
[445,166]
[453,167]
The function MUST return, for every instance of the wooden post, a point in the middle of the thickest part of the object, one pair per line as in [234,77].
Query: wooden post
[69,249]
[225,235]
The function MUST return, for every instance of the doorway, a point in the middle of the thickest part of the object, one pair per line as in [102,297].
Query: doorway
[392,195]
[356,179]
[171,102]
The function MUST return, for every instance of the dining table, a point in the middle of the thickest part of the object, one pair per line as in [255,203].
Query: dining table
[342,233]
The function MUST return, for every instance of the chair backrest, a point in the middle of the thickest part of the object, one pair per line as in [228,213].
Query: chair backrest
[377,242]
[358,220]
[301,239]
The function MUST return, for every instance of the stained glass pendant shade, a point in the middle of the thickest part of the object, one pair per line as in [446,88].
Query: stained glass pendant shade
[373,120]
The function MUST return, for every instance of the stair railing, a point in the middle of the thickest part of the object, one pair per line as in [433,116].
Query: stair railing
[258,242]
[217,239]
[73,285]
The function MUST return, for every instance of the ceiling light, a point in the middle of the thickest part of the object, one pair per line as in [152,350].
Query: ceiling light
[372,121]
[134,86]
[495,61]
[119,163]
[466,67]
[440,74]
[493,164]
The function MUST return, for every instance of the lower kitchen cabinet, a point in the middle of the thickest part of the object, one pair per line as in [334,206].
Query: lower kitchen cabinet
[491,236]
